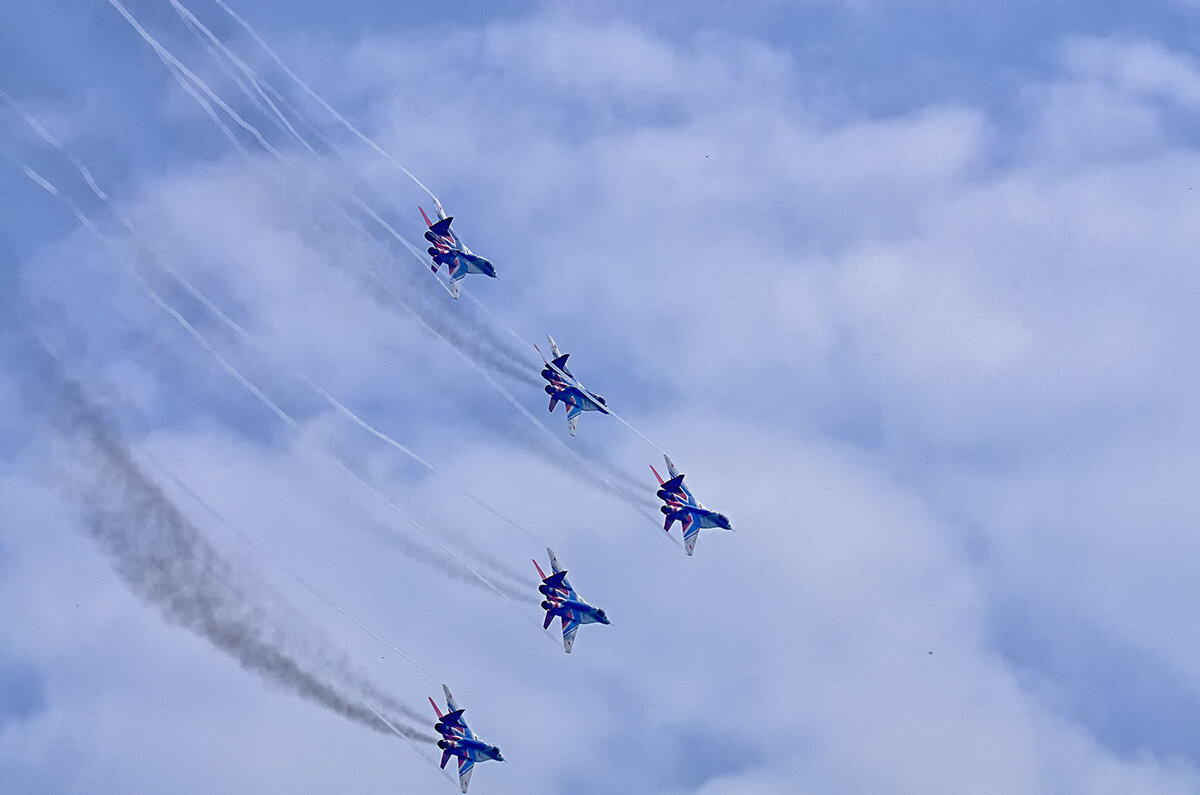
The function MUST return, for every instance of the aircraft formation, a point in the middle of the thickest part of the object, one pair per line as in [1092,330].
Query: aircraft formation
[451,261]
[561,600]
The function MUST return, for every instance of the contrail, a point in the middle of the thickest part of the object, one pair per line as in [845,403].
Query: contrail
[166,562]
[500,357]
[181,72]
[319,99]
[50,139]
[459,346]
[262,397]
[226,320]
[261,101]
[171,61]
[515,365]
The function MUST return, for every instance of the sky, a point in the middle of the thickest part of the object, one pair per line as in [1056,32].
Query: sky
[905,287]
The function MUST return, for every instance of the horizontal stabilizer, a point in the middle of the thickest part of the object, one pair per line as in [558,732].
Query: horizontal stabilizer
[675,485]
[442,227]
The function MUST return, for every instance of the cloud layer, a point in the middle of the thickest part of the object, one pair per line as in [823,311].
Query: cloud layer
[934,364]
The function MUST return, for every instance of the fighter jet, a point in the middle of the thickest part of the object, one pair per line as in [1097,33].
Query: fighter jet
[562,601]
[459,741]
[680,506]
[563,387]
[448,250]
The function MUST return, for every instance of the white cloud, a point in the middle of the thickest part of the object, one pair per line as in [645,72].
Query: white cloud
[706,234]
[1115,99]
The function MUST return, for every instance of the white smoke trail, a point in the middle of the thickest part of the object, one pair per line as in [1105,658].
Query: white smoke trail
[224,318]
[275,409]
[181,72]
[54,142]
[190,82]
[170,60]
[261,101]
[256,96]
[261,87]
[318,98]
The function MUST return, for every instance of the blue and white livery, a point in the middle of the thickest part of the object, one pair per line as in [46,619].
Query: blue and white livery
[562,601]
[459,741]
[448,250]
[565,388]
[680,506]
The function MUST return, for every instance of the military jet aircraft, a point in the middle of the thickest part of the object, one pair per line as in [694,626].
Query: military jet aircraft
[459,741]
[565,388]
[564,602]
[448,250]
[680,506]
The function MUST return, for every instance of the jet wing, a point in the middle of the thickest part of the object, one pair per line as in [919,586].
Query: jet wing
[449,699]
[670,465]
[573,412]
[460,262]
[454,708]
[689,525]
[569,627]
[691,532]
[465,767]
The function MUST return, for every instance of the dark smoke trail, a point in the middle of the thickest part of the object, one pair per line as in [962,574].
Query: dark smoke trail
[165,561]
